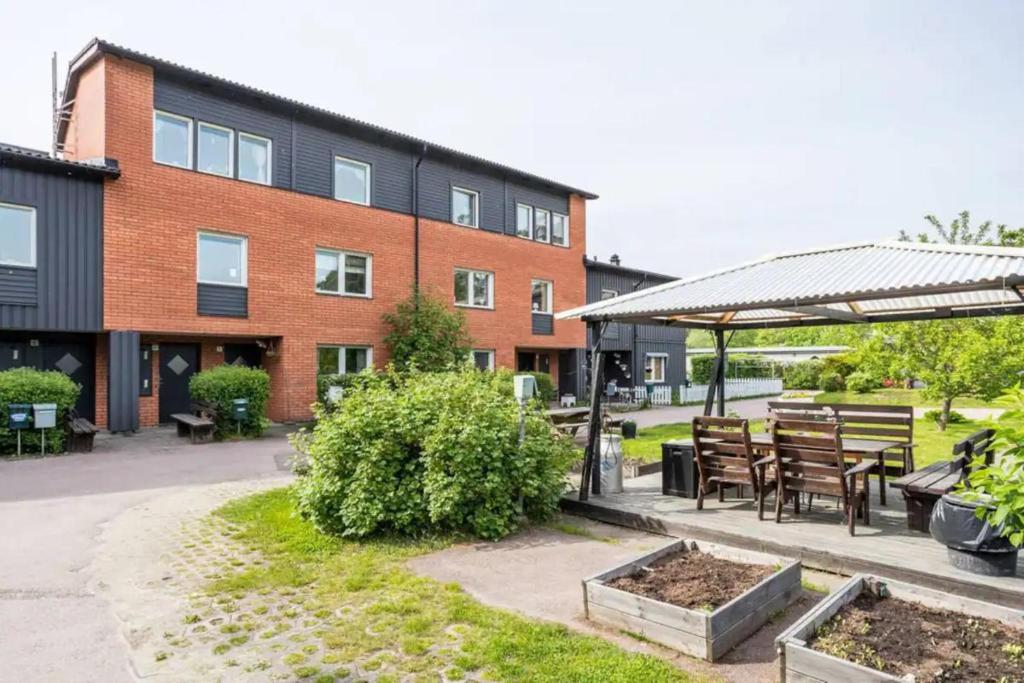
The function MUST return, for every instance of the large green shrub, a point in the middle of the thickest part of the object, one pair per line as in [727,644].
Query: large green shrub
[26,385]
[424,333]
[803,375]
[831,381]
[421,452]
[219,386]
[862,382]
[545,386]
[843,364]
[346,382]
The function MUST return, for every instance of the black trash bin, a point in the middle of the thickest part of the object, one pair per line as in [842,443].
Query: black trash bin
[974,545]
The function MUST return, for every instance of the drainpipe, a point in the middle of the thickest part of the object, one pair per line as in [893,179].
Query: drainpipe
[416,224]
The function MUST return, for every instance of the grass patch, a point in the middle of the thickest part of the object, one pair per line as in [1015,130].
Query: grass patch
[385,604]
[897,397]
[562,525]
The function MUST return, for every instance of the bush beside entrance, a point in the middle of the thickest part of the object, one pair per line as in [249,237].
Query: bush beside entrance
[221,385]
[26,385]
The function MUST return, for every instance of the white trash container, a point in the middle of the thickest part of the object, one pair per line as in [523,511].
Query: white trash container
[611,463]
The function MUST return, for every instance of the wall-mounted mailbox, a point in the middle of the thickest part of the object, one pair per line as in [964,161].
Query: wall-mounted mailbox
[44,415]
[525,387]
[240,409]
[19,415]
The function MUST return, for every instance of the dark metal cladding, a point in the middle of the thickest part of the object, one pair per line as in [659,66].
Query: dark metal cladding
[123,374]
[223,300]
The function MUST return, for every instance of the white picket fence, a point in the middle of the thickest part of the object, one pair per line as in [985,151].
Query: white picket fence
[660,395]
[734,388]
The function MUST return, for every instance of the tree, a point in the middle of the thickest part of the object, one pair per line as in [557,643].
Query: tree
[424,333]
[960,232]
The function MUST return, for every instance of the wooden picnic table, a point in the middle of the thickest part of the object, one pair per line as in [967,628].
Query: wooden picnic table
[567,414]
[858,449]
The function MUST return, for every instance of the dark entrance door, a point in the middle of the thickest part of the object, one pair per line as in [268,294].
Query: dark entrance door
[249,355]
[526,361]
[77,361]
[12,355]
[178,362]
[544,362]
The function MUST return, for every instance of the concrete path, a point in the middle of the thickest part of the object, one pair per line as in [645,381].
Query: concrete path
[752,408]
[55,625]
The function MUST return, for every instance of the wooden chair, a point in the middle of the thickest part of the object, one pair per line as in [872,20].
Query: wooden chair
[809,459]
[725,458]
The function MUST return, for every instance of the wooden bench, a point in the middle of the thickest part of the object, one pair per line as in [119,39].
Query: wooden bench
[923,487]
[197,425]
[570,428]
[80,433]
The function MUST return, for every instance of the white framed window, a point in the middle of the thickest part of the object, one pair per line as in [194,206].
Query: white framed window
[352,181]
[524,221]
[222,259]
[17,235]
[560,229]
[255,158]
[654,368]
[540,299]
[172,139]
[483,359]
[216,150]
[608,294]
[474,288]
[343,360]
[344,272]
[465,207]
[541,223]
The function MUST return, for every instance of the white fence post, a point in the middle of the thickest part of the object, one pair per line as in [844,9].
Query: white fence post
[734,388]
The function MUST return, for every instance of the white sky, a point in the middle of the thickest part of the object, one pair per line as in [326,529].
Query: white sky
[714,132]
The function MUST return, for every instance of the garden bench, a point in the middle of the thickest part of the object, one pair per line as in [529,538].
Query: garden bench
[197,425]
[923,487]
[81,433]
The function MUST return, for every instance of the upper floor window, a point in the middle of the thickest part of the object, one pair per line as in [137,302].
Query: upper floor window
[340,272]
[541,220]
[172,139]
[560,229]
[654,368]
[222,259]
[465,207]
[483,359]
[343,360]
[541,298]
[474,288]
[608,294]
[524,221]
[255,158]
[351,181]
[216,150]
[17,235]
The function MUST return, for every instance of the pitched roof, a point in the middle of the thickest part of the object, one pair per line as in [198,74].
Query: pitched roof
[868,282]
[24,156]
[97,47]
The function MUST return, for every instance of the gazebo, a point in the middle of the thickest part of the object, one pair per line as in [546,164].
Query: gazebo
[869,282]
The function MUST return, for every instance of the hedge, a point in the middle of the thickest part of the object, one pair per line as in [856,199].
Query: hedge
[545,386]
[26,385]
[803,375]
[219,386]
[740,366]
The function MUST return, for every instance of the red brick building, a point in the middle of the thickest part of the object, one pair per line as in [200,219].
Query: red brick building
[248,228]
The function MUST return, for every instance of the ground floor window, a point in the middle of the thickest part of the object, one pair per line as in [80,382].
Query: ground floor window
[483,359]
[343,360]
[654,368]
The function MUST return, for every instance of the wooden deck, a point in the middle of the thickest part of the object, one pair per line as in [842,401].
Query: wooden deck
[819,538]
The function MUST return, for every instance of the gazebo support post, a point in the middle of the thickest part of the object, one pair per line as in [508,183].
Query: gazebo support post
[716,382]
[591,476]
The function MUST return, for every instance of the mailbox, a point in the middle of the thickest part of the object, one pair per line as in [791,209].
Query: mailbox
[525,387]
[44,415]
[240,409]
[19,415]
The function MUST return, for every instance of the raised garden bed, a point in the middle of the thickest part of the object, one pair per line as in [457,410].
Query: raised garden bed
[875,629]
[631,467]
[699,598]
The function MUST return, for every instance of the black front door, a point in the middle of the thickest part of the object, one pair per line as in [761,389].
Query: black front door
[77,361]
[12,355]
[178,362]
[249,355]
[526,361]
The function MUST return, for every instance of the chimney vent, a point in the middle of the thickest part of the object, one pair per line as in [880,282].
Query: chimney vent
[615,260]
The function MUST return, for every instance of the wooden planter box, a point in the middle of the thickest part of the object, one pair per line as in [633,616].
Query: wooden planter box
[707,635]
[798,662]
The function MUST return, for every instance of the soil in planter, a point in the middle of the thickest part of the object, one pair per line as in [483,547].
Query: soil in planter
[900,637]
[693,579]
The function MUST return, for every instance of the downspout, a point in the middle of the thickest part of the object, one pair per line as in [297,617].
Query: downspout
[633,359]
[416,225]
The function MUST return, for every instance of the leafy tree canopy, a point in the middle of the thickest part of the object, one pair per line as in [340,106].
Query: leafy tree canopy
[424,333]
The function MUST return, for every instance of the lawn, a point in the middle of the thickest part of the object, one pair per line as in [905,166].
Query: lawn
[399,625]
[897,397]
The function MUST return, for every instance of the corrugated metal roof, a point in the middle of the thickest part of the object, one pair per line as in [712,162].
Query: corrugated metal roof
[19,153]
[846,283]
[97,46]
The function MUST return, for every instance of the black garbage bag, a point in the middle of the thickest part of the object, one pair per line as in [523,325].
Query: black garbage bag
[956,525]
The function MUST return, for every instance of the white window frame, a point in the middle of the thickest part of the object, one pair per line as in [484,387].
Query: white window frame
[548,224]
[191,138]
[231,149]
[245,257]
[550,297]
[342,370]
[476,206]
[551,229]
[529,212]
[368,183]
[614,293]
[32,238]
[490,357]
[664,368]
[340,256]
[471,288]
[270,158]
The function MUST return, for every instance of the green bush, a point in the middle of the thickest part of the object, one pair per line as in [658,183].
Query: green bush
[418,452]
[219,386]
[26,385]
[862,382]
[831,381]
[545,386]
[803,375]
[954,417]
[740,365]
[346,382]
[844,364]
[424,333]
